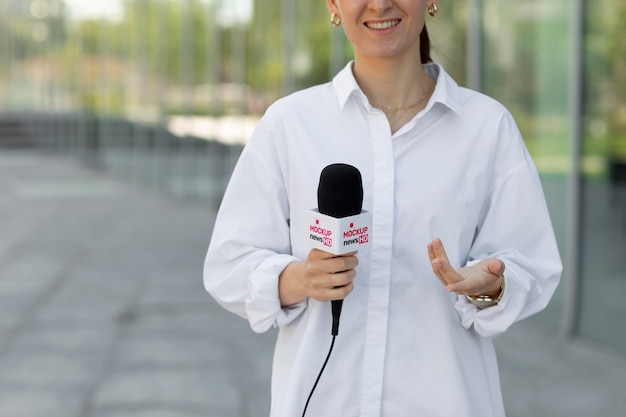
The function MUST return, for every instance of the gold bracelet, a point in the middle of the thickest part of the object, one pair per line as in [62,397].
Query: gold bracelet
[484,301]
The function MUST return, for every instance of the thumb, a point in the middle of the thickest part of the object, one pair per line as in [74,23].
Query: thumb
[496,267]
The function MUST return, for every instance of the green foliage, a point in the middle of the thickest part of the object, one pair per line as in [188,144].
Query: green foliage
[606,73]
[161,49]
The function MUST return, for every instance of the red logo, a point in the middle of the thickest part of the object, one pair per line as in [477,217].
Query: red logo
[363,239]
[327,242]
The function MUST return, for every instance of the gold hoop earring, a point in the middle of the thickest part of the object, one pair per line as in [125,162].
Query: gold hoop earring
[433,10]
[335,20]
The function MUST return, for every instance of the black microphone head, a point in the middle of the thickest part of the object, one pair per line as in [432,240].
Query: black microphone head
[340,192]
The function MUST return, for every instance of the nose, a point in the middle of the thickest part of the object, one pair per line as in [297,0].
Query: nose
[379,6]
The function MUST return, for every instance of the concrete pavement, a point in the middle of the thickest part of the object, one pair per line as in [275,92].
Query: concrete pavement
[103,313]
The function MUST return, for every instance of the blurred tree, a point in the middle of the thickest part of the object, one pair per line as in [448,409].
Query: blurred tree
[448,36]
[310,61]
[165,44]
[605,73]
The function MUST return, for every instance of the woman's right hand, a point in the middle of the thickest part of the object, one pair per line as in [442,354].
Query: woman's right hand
[322,276]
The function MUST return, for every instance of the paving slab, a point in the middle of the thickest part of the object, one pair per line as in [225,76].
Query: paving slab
[103,313]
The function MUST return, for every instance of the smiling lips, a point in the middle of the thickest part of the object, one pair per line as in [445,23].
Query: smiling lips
[382,25]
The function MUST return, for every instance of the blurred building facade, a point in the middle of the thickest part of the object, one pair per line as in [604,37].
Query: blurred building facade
[150,88]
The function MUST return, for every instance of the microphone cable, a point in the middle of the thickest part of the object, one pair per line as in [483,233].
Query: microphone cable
[332,344]
[336,313]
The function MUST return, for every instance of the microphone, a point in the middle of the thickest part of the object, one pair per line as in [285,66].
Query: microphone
[339,225]
[340,192]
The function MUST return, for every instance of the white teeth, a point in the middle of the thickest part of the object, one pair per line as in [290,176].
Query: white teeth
[383,25]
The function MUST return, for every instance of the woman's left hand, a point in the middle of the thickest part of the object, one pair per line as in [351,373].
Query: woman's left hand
[482,278]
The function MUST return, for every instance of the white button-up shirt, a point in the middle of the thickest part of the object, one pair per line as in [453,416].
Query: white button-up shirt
[459,171]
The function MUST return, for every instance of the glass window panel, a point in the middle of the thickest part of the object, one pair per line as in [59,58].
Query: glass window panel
[604,164]
[525,66]
[448,38]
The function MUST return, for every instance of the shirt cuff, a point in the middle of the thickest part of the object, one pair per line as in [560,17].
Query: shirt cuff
[495,320]
[263,307]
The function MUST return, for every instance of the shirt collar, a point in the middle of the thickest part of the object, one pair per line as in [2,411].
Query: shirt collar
[447,91]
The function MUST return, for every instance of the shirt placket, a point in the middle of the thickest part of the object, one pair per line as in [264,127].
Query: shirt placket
[378,297]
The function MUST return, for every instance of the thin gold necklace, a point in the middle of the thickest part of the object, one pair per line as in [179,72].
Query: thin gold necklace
[390,108]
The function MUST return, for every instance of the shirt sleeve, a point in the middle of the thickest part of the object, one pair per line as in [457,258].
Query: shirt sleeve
[250,245]
[515,227]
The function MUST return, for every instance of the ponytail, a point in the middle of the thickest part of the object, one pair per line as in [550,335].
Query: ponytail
[425,46]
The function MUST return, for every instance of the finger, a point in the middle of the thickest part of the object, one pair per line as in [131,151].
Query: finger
[339,263]
[340,293]
[431,252]
[329,294]
[446,274]
[320,262]
[480,281]
[436,264]
[321,254]
[439,250]
[333,286]
[315,254]
[341,279]
[441,265]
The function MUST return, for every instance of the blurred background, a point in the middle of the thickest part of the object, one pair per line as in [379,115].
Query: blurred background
[121,120]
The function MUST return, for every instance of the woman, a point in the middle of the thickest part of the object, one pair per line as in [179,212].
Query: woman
[440,164]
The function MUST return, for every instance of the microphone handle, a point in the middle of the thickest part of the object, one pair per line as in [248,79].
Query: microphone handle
[336,306]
